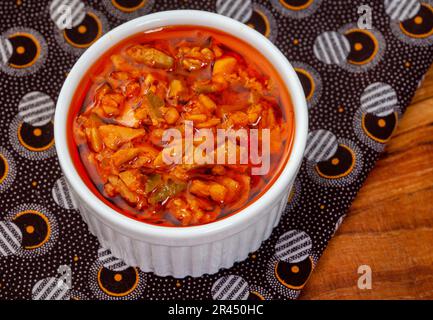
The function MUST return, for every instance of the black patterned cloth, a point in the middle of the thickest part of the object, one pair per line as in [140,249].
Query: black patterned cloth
[358,82]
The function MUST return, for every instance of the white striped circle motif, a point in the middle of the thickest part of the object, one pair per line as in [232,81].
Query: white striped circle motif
[240,10]
[36,108]
[6,50]
[67,14]
[10,238]
[109,261]
[293,246]
[331,47]
[321,145]
[50,289]
[402,9]
[230,288]
[63,195]
[379,99]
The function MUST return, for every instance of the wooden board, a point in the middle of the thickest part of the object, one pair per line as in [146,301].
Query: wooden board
[390,225]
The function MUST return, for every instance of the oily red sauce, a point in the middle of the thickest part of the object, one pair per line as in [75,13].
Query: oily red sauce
[159,80]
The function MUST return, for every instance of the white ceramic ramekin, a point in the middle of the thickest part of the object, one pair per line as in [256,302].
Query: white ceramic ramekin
[197,250]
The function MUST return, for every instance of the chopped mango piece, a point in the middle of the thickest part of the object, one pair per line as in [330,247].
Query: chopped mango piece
[217,51]
[142,160]
[175,89]
[207,102]
[94,139]
[132,89]
[120,187]
[149,80]
[195,58]
[111,103]
[207,53]
[199,188]
[206,86]
[219,170]
[191,64]
[171,116]
[254,112]
[141,113]
[224,65]
[150,57]
[114,136]
[120,75]
[202,189]
[217,192]
[231,184]
[120,63]
[131,178]
[196,117]
[149,150]
[124,155]
[159,160]
[128,116]
[208,123]
[239,118]
[101,92]
[155,137]
[180,210]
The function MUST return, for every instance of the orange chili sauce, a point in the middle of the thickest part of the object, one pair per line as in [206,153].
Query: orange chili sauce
[247,52]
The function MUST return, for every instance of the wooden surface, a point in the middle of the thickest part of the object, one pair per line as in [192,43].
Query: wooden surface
[390,225]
